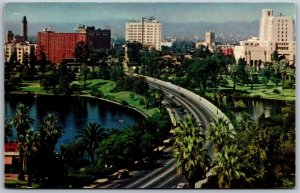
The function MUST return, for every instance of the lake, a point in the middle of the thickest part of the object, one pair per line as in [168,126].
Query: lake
[73,112]
[258,107]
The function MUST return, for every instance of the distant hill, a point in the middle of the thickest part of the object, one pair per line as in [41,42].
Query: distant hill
[185,30]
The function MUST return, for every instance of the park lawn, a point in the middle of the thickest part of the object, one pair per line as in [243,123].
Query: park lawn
[18,184]
[131,98]
[264,91]
[32,86]
[33,89]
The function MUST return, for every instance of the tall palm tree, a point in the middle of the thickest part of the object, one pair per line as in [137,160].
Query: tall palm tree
[191,157]
[220,133]
[21,122]
[229,166]
[30,147]
[50,132]
[90,138]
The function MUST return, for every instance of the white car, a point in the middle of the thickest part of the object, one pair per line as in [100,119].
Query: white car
[182,185]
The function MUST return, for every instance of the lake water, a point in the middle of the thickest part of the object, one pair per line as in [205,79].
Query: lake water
[73,113]
[258,107]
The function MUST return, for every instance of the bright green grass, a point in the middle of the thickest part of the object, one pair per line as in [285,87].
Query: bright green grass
[107,86]
[18,184]
[264,91]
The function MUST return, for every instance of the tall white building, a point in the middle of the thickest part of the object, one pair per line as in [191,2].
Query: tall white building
[275,33]
[146,31]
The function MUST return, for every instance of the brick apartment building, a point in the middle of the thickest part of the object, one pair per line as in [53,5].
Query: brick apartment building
[59,46]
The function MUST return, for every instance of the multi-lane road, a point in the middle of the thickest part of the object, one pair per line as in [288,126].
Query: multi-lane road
[165,175]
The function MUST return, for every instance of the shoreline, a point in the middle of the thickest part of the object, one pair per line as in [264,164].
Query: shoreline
[81,95]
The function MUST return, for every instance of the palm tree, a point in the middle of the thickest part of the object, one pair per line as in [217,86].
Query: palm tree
[50,131]
[191,157]
[21,121]
[30,147]
[220,133]
[229,166]
[90,138]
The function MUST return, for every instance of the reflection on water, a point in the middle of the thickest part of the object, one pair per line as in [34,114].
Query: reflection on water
[73,113]
[258,107]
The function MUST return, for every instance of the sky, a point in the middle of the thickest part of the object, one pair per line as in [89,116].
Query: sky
[46,12]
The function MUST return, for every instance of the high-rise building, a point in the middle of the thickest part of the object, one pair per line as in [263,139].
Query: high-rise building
[25,29]
[275,28]
[18,45]
[275,33]
[210,37]
[59,46]
[9,36]
[146,31]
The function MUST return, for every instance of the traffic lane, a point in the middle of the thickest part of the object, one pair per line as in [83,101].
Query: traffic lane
[137,177]
[168,181]
[152,175]
[201,114]
[177,89]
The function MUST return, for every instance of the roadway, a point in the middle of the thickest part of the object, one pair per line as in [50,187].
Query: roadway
[182,103]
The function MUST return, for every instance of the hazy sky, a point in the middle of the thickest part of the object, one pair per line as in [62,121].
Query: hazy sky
[166,12]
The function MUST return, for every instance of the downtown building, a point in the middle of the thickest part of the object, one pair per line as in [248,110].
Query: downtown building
[275,33]
[146,31]
[60,46]
[19,45]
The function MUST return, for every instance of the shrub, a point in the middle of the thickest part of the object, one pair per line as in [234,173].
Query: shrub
[95,92]
[124,102]
[276,91]
[287,85]
[142,102]
[223,82]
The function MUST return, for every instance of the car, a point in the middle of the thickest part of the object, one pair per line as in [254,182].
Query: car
[171,96]
[182,185]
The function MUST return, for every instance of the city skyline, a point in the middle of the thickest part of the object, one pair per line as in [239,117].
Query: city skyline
[63,13]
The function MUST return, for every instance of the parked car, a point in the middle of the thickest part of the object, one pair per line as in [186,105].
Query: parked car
[182,185]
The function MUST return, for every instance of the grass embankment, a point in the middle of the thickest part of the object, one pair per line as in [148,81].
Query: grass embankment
[106,87]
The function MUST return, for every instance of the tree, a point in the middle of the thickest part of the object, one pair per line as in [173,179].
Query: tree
[50,132]
[30,147]
[82,52]
[84,70]
[65,77]
[43,62]
[279,71]
[229,167]
[267,72]
[274,56]
[133,52]
[21,122]
[90,137]
[241,70]
[220,133]
[250,70]
[191,157]
[116,73]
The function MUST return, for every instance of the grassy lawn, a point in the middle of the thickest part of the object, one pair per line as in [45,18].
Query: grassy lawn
[105,86]
[264,91]
[132,99]
[18,184]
